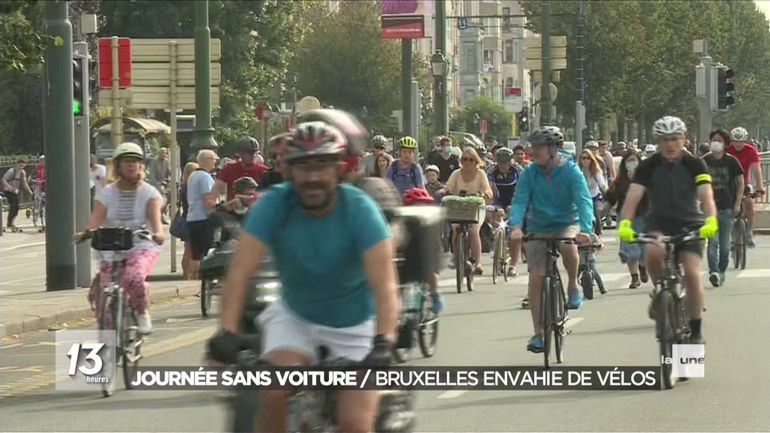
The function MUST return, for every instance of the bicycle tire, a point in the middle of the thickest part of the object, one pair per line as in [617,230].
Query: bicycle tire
[427,330]
[506,259]
[559,314]
[545,319]
[401,354]
[587,283]
[110,359]
[207,292]
[496,258]
[739,239]
[459,252]
[469,274]
[131,338]
[744,244]
[664,324]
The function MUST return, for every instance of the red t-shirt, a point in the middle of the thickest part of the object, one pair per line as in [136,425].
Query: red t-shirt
[747,156]
[234,170]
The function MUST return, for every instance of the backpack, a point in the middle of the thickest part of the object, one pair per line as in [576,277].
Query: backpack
[412,172]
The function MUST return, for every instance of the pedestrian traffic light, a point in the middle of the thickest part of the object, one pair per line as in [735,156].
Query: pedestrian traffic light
[77,86]
[725,88]
[523,121]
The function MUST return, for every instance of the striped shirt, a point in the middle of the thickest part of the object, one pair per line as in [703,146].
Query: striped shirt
[126,201]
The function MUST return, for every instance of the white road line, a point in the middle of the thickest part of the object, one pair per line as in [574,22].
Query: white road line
[181,320]
[11,345]
[573,321]
[32,244]
[754,273]
[452,394]
[8,283]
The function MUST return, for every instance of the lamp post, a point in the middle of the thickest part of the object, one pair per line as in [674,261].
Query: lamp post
[203,136]
[440,69]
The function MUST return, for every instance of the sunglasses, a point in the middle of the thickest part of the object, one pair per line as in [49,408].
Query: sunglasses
[467,160]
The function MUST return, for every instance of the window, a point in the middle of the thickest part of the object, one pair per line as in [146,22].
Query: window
[516,57]
[508,52]
[506,17]
[470,61]
[487,57]
[509,82]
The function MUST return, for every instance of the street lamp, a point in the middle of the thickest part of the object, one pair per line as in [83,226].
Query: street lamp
[439,67]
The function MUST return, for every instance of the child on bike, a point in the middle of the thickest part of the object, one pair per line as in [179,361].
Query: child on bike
[596,244]
[433,185]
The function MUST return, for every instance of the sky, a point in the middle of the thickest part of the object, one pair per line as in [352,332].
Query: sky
[764,6]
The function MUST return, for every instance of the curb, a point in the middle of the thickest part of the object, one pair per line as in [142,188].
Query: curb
[32,323]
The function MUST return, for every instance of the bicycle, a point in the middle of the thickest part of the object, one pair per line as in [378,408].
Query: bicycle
[553,315]
[740,234]
[417,320]
[116,313]
[585,273]
[669,302]
[38,208]
[463,212]
[500,258]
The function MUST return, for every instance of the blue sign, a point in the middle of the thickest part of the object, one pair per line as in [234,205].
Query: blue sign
[462,23]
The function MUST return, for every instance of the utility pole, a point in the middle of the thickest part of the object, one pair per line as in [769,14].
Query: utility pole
[406,86]
[703,86]
[82,162]
[203,136]
[545,88]
[440,104]
[59,144]
[580,110]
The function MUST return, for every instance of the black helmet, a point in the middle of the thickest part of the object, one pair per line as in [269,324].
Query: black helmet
[243,183]
[247,144]
[548,135]
[503,154]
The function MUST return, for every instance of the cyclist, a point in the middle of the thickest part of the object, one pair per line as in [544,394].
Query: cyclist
[277,146]
[553,192]
[673,209]
[133,203]
[39,184]
[433,185]
[329,241]
[420,196]
[247,165]
[727,183]
[519,158]
[369,161]
[404,172]
[444,159]
[748,156]
[502,178]
[13,180]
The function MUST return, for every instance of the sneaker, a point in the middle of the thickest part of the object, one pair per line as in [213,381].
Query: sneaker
[575,299]
[635,283]
[145,324]
[512,272]
[696,339]
[643,274]
[525,303]
[714,279]
[438,305]
[750,241]
[535,344]
[603,290]
[721,278]
[478,270]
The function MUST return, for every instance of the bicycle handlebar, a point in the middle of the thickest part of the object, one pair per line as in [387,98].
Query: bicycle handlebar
[142,233]
[647,238]
[531,237]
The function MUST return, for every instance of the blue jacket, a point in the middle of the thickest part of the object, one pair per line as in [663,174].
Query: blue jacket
[552,201]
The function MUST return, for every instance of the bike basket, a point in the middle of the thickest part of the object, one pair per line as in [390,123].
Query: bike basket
[112,239]
[463,209]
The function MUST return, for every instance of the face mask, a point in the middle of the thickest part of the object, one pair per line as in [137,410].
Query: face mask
[717,146]
[446,150]
[631,166]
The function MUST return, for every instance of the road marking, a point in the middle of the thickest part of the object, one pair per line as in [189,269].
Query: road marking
[572,321]
[180,320]
[452,394]
[32,244]
[19,369]
[754,273]
[11,345]
[8,283]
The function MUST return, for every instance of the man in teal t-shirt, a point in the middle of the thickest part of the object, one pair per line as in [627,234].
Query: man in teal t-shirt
[334,255]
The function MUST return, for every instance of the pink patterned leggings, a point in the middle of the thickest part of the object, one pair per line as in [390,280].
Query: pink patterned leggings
[139,264]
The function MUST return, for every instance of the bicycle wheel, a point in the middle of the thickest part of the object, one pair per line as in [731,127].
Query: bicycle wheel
[505,259]
[459,253]
[469,271]
[559,316]
[131,343]
[106,323]
[739,241]
[545,319]
[664,324]
[207,292]
[427,332]
[744,243]
[497,256]
[587,282]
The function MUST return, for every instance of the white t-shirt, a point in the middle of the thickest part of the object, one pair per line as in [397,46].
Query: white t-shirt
[596,183]
[96,178]
[128,209]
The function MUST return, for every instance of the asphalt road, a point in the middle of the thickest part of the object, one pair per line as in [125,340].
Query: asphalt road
[482,328]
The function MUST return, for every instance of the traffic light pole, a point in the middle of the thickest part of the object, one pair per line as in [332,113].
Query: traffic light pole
[406,86]
[545,95]
[440,105]
[59,138]
[705,103]
[203,136]
[82,157]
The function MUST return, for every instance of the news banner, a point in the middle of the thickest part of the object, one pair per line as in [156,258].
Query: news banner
[83,362]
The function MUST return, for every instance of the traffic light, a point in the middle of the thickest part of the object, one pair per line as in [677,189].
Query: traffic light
[725,88]
[77,86]
[523,121]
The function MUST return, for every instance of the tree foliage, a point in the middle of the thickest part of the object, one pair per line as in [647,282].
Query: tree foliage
[498,120]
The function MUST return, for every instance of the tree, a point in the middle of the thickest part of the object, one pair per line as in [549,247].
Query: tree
[498,120]
[344,62]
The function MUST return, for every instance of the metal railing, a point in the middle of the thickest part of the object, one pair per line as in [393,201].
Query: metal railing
[764,164]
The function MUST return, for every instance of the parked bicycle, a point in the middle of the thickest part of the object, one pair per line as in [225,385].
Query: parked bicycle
[463,211]
[669,304]
[418,321]
[115,311]
[553,316]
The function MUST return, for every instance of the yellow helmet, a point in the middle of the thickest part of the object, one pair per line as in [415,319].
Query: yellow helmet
[407,142]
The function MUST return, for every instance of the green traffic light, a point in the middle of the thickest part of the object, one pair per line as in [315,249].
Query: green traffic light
[75,106]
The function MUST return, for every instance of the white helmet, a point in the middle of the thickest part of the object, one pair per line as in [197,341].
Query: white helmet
[432,167]
[650,148]
[739,134]
[592,145]
[128,149]
[668,125]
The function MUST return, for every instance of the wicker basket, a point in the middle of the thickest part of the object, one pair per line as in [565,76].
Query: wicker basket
[463,209]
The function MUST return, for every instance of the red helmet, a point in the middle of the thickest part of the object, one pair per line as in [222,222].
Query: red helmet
[350,163]
[417,195]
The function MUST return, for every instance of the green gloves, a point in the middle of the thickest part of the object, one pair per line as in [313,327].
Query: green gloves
[709,227]
[626,233]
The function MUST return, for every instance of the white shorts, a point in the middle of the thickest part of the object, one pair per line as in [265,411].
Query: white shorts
[283,329]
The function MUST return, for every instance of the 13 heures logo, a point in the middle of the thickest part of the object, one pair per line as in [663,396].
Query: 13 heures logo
[688,360]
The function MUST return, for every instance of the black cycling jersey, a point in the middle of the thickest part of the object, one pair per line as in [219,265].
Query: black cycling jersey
[672,189]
